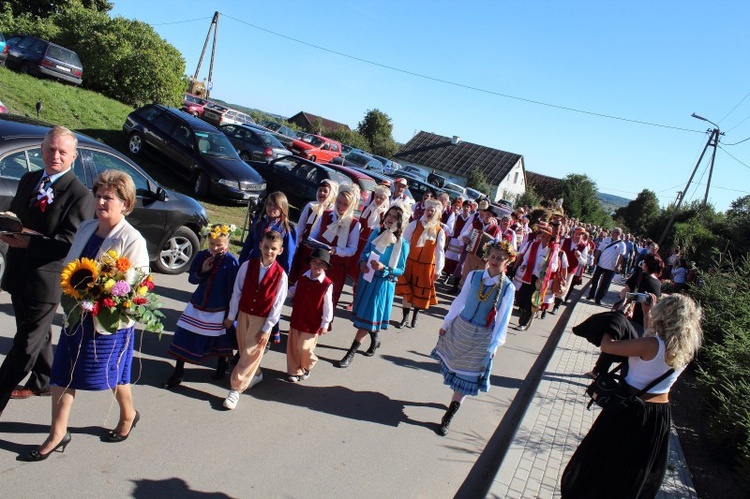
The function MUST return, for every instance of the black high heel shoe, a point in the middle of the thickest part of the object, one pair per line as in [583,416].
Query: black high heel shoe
[113,436]
[35,455]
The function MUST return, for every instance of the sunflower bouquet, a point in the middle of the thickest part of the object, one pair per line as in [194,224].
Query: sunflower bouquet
[112,291]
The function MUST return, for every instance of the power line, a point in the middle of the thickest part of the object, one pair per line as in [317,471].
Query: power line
[461,85]
[737,160]
[735,107]
[183,22]
[740,142]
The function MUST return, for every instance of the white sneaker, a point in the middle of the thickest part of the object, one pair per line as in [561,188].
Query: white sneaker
[232,399]
[305,376]
[256,379]
[292,378]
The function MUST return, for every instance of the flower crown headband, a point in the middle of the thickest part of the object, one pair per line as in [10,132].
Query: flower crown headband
[218,230]
[503,246]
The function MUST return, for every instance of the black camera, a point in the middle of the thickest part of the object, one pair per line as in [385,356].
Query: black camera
[640,298]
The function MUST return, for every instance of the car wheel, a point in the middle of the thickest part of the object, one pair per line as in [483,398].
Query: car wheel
[24,68]
[135,144]
[312,158]
[178,252]
[201,184]
[245,156]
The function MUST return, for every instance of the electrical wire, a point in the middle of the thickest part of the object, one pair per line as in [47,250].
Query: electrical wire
[461,85]
[184,22]
[738,124]
[740,142]
[737,160]
[735,107]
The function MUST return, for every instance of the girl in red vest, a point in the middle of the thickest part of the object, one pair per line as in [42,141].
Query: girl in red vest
[259,293]
[340,230]
[312,312]
[327,192]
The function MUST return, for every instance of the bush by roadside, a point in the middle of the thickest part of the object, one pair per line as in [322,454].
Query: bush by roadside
[724,363]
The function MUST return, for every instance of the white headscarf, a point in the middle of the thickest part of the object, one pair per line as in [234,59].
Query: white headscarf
[317,208]
[371,214]
[341,226]
[431,225]
[387,236]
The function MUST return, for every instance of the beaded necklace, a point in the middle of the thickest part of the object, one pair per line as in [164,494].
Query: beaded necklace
[484,296]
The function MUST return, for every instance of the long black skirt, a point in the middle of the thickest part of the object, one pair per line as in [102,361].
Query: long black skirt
[623,456]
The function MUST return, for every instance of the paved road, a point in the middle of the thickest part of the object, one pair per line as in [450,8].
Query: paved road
[366,431]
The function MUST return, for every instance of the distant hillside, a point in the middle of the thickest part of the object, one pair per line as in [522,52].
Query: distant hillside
[610,202]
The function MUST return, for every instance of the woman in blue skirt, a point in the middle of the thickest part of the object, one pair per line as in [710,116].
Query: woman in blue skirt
[87,357]
[384,259]
[476,324]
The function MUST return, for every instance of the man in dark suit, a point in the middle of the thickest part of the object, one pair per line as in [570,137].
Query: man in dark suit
[52,202]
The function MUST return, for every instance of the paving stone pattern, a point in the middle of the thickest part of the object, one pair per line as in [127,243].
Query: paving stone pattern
[557,420]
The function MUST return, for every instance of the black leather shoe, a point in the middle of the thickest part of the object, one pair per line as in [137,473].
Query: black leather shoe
[113,436]
[174,380]
[35,455]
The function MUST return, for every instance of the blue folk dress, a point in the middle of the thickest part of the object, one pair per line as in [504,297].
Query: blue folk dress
[373,300]
[87,360]
[200,331]
[466,350]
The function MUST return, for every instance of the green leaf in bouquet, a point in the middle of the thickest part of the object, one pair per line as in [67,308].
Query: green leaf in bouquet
[72,310]
[109,318]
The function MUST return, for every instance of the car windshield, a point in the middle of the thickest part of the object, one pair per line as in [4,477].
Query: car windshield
[357,158]
[63,55]
[195,100]
[215,144]
[312,139]
[367,184]
[270,141]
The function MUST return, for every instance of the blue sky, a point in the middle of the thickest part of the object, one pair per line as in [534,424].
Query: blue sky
[654,62]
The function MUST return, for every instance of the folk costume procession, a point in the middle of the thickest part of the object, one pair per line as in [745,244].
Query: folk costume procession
[394,247]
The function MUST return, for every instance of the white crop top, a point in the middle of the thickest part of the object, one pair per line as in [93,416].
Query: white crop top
[642,372]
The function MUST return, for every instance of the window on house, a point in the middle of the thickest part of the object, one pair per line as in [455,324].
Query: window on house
[515,179]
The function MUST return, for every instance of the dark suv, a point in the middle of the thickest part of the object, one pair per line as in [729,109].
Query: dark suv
[202,153]
[170,222]
[39,57]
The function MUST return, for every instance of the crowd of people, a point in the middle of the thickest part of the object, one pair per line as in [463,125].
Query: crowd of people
[529,258]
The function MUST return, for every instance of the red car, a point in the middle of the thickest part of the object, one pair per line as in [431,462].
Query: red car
[193,104]
[365,182]
[316,148]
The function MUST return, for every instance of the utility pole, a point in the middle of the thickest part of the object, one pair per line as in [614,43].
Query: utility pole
[215,27]
[713,141]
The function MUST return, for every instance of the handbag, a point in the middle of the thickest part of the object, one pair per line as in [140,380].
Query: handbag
[610,392]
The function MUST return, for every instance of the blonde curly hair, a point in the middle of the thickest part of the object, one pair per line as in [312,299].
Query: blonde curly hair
[677,320]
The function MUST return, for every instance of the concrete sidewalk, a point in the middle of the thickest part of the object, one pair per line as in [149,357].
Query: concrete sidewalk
[557,420]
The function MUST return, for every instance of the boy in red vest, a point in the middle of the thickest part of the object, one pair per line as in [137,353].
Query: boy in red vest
[312,311]
[259,293]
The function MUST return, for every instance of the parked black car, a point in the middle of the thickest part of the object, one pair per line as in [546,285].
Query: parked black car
[170,222]
[39,57]
[203,154]
[296,177]
[360,159]
[253,144]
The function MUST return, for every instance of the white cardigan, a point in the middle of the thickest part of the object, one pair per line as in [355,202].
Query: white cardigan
[123,238]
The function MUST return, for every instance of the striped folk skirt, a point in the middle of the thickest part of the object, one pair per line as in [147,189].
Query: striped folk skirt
[463,356]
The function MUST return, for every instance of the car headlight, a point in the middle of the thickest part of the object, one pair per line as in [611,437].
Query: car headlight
[230,183]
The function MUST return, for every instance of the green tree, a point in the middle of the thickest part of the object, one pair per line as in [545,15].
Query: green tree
[736,226]
[46,8]
[349,137]
[580,200]
[641,213]
[529,198]
[376,127]
[477,180]
[123,59]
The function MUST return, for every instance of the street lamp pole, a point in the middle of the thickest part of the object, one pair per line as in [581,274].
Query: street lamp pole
[714,137]
[713,140]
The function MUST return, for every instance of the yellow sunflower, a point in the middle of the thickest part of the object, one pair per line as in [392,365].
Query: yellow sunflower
[78,276]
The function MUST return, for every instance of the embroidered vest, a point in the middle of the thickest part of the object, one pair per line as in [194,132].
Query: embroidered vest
[307,308]
[478,313]
[257,299]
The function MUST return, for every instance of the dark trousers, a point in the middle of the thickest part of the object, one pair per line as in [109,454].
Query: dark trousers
[600,283]
[31,350]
